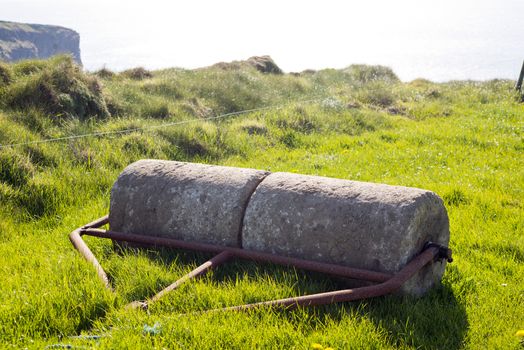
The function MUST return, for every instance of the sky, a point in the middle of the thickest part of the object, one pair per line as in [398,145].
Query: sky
[438,40]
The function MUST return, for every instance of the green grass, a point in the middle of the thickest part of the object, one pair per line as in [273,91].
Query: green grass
[463,140]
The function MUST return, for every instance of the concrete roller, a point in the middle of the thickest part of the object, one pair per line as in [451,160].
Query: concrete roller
[363,225]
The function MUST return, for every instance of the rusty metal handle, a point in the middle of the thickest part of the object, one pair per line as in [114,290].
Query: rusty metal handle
[388,283]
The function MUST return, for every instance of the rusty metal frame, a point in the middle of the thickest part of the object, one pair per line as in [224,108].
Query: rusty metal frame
[387,283]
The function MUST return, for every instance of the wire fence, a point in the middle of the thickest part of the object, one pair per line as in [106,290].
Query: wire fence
[160,126]
[188,121]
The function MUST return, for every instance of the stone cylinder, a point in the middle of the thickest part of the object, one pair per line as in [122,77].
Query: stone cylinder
[363,225]
[186,201]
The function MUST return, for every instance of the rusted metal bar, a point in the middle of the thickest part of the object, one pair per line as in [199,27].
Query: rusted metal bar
[98,222]
[387,287]
[387,283]
[81,246]
[331,269]
[199,271]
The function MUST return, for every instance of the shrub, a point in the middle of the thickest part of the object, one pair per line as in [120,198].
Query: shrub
[253,127]
[299,120]
[377,97]
[433,93]
[5,74]
[28,67]
[139,73]
[196,108]
[290,139]
[365,74]
[332,103]
[420,82]
[156,111]
[104,73]
[114,106]
[455,198]
[60,89]
[308,72]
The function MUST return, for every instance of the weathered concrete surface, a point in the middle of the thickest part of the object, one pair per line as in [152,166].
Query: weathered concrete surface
[187,201]
[365,225]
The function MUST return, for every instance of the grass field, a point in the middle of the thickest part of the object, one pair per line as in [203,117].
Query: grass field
[462,140]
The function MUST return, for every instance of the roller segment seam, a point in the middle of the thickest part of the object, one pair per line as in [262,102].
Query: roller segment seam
[244,209]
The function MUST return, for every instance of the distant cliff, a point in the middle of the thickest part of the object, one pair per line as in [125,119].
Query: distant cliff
[20,41]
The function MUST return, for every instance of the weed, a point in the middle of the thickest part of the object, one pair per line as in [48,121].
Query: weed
[455,197]
[380,97]
[191,147]
[5,74]
[156,111]
[367,74]
[104,73]
[15,169]
[138,73]
[289,139]
[253,127]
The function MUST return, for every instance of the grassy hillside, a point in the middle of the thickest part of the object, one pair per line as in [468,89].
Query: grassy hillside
[463,140]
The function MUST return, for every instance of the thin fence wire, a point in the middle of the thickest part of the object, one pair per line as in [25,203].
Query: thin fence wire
[159,126]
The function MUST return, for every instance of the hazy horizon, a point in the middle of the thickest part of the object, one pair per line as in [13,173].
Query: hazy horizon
[438,41]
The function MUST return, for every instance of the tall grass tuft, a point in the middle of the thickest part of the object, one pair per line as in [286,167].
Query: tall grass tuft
[60,89]
[366,74]
[5,74]
[104,73]
[15,169]
[138,73]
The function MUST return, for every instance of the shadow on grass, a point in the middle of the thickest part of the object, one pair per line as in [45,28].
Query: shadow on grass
[436,320]
[303,282]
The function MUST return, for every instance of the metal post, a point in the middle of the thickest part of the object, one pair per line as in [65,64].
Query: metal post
[518,87]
